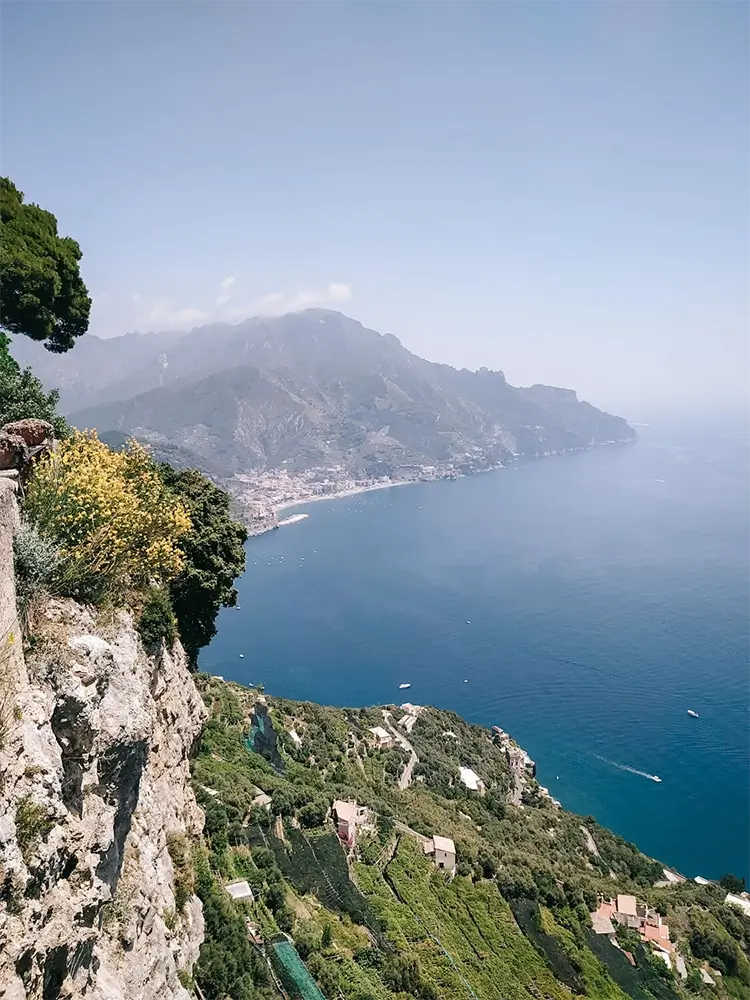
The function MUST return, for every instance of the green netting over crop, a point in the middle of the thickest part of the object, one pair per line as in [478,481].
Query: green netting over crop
[262,738]
[296,972]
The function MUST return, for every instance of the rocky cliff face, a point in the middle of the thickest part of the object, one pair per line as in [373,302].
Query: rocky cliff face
[95,737]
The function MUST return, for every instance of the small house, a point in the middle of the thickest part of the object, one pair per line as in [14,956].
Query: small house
[471,779]
[262,801]
[443,852]
[741,902]
[239,890]
[348,817]
[381,738]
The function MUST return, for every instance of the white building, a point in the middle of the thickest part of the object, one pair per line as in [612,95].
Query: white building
[743,902]
[443,851]
[239,890]
[471,779]
[262,800]
[381,737]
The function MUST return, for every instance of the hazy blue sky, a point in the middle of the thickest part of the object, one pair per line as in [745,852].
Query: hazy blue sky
[559,190]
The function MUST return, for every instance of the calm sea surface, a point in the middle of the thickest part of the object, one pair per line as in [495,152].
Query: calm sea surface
[588,600]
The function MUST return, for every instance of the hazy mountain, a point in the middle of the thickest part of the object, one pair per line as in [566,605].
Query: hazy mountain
[306,389]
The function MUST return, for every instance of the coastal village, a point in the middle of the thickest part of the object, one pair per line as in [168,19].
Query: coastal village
[262,495]
[627,911]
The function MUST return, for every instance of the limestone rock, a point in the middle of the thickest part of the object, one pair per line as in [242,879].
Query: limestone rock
[33,431]
[95,778]
[13,450]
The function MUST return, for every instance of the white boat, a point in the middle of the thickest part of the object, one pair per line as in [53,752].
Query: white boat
[655,777]
[403,687]
[693,714]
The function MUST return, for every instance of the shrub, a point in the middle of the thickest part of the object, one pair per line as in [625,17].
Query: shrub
[184,876]
[33,823]
[116,523]
[157,621]
[36,561]
[186,980]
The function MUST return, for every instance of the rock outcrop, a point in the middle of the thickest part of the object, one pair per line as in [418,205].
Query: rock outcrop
[95,737]
[21,440]
[33,431]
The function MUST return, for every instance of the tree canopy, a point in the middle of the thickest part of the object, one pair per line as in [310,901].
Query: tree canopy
[42,294]
[214,557]
[23,395]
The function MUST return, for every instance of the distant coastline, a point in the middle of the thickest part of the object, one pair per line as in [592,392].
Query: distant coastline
[261,511]
[340,494]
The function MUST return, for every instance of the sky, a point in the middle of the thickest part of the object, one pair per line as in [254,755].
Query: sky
[559,190]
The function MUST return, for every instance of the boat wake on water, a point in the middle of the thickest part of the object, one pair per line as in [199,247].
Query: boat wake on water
[626,767]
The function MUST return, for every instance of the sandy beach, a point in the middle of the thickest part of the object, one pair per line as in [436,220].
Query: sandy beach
[292,520]
[343,493]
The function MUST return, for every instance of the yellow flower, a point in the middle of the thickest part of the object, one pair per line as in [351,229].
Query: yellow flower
[109,511]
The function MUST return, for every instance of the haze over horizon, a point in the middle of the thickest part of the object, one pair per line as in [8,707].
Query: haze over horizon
[559,191]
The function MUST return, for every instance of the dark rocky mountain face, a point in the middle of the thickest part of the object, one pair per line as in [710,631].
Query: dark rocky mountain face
[309,389]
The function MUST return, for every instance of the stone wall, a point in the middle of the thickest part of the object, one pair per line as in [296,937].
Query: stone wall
[94,781]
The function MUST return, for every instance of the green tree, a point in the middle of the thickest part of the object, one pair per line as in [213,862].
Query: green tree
[42,294]
[157,621]
[214,557]
[22,394]
[314,813]
[732,883]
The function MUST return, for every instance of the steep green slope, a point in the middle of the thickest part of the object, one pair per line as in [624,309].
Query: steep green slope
[380,921]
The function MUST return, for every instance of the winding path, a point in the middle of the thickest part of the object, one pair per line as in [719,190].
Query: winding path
[405,780]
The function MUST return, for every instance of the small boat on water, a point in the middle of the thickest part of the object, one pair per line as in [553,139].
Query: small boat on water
[655,777]
[693,714]
[403,687]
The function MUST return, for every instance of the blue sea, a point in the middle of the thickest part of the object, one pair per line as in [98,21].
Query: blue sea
[583,602]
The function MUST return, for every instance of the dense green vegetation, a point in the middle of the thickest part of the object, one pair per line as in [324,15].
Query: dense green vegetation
[42,294]
[214,556]
[383,922]
[22,395]
[157,622]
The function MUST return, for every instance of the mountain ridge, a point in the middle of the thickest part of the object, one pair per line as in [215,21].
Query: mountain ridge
[312,389]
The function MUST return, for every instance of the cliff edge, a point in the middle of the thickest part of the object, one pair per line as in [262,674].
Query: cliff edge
[95,738]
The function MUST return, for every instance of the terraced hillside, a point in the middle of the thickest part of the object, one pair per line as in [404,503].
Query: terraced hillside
[376,919]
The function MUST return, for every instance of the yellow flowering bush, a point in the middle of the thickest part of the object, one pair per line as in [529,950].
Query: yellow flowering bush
[116,523]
